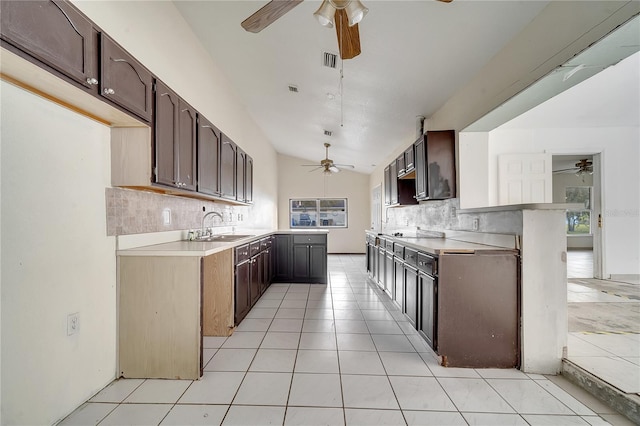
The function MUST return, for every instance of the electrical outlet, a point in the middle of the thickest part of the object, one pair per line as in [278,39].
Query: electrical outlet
[166,216]
[452,211]
[476,224]
[73,323]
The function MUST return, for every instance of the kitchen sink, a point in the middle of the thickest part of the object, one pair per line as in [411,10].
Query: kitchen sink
[224,238]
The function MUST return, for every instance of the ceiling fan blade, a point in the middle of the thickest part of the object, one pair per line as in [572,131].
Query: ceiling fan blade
[310,165]
[346,166]
[348,37]
[268,14]
[317,168]
[446,1]
[565,170]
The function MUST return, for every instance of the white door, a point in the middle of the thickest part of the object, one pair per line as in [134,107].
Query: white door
[524,178]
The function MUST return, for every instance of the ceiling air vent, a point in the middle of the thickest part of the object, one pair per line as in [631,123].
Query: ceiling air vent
[329,59]
[293,88]
[328,132]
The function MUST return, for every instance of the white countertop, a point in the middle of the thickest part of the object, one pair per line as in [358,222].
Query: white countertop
[206,248]
[439,246]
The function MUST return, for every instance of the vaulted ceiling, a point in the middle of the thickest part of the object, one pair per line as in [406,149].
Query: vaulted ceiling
[415,56]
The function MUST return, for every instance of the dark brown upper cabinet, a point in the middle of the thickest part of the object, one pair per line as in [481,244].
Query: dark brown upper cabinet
[409,160]
[439,171]
[175,140]
[421,169]
[54,33]
[209,141]
[241,161]
[228,168]
[248,180]
[400,166]
[387,185]
[124,80]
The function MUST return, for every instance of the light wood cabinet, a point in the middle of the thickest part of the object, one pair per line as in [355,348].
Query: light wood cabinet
[166,304]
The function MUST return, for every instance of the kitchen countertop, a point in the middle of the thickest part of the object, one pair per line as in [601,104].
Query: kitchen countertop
[439,246]
[206,248]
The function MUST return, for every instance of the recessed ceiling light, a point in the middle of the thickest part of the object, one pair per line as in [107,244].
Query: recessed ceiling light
[328,132]
[293,88]
[331,96]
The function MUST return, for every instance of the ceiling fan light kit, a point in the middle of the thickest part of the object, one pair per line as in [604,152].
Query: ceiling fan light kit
[327,10]
[325,14]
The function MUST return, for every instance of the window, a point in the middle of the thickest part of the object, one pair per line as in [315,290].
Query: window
[318,212]
[579,221]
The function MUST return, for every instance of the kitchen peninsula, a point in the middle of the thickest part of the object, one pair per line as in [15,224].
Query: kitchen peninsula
[173,293]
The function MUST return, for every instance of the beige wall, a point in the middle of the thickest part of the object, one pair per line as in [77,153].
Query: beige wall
[57,259]
[295,181]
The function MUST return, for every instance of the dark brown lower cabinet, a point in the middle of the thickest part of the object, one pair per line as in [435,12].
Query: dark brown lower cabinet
[410,307]
[428,295]
[398,269]
[242,290]
[389,287]
[256,278]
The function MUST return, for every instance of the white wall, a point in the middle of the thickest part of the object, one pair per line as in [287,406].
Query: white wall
[295,181]
[56,259]
[473,155]
[620,196]
[155,33]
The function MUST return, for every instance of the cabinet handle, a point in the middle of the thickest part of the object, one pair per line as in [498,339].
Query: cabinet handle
[109,91]
[92,81]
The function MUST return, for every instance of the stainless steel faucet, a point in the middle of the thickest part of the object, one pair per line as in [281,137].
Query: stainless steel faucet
[202,232]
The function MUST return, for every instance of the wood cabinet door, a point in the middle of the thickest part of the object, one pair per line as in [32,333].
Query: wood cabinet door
[400,166]
[248,180]
[267,269]
[427,309]
[124,80]
[167,104]
[318,263]
[240,174]
[410,308]
[399,282]
[242,293]
[283,257]
[208,157]
[300,261]
[387,186]
[409,159]
[393,182]
[227,168]
[187,125]
[256,279]
[441,164]
[421,172]
[55,33]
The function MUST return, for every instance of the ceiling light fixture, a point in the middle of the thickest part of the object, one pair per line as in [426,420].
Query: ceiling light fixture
[327,10]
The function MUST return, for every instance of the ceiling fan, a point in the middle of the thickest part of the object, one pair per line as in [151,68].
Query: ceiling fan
[583,166]
[343,14]
[327,164]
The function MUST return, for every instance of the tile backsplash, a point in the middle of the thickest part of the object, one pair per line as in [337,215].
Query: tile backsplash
[137,212]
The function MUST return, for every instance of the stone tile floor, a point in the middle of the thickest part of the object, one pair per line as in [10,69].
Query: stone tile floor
[338,354]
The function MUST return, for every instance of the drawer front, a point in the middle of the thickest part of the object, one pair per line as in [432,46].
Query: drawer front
[382,242]
[398,250]
[427,263]
[309,239]
[254,248]
[411,256]
[242,253]
[389,245]
[265,243]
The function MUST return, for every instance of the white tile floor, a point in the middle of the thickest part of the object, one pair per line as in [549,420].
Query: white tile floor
[332,355]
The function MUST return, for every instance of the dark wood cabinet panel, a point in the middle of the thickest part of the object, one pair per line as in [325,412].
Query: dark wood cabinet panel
[393,182]
[256,278]
[175,139]
[208,157]
[56,34]
[399,282]
[283,257]
[167,104]
[410,307]
[428,305]
[381,265]
[242,293]
[387,186]
[389,275]
[318,263]
[228,168]
[440,164]
[421,169]
[124,80]
[241,161]
[248,179]
[300,261]
[409,160]
[187,143]
[400,166]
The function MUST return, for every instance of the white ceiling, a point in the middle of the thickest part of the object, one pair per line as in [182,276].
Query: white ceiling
[415,56]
